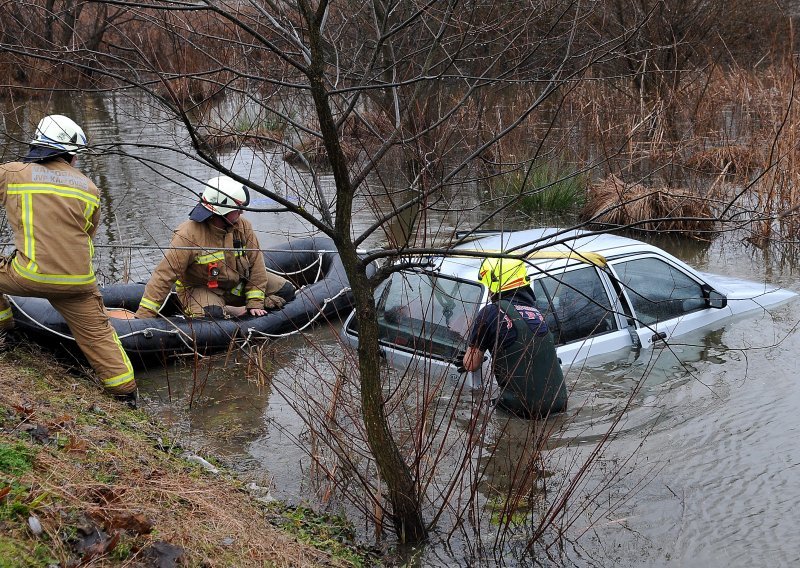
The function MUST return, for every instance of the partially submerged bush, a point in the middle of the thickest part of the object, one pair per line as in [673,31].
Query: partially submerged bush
[614,202]
[729,159]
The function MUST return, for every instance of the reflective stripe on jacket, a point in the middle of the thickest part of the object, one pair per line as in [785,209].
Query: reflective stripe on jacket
[236,253]
[53,210]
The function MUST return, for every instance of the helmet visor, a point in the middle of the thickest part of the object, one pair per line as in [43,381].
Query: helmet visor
[200,214]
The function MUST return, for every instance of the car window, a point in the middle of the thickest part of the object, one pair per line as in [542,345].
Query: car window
[575,304]
[657,290]
[425,312]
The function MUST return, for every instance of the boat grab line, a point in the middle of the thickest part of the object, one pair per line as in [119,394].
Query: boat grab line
[24,313]
[319,270]
[254,332]
[176,331]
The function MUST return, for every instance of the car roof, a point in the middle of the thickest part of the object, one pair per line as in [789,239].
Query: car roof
[545,248]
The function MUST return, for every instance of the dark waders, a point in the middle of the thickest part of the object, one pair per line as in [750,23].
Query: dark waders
[528,372]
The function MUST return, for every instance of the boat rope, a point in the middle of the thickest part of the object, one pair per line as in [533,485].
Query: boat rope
[182,335]
[44,327]
[227,249]
[176,331]
[251,332]
[316,262]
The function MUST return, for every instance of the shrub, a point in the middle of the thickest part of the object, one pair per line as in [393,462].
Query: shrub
[544,187]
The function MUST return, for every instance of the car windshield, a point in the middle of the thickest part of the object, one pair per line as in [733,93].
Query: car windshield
[427,312]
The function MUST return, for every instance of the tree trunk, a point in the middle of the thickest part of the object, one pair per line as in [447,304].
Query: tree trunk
[403,491]
[404,497]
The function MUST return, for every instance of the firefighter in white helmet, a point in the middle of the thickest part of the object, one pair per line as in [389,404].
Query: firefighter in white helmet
[215,261]
[54,211]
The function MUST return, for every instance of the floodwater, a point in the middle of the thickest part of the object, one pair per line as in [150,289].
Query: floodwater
[704,468]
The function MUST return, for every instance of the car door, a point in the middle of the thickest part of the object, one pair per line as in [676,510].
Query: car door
[582,311]
[665,300]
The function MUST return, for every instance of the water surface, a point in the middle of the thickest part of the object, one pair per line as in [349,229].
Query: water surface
[704,464]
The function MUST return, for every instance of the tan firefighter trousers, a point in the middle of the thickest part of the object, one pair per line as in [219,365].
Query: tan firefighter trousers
[86,317]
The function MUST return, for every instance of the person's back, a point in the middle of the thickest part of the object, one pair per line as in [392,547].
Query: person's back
[524,357]
[54,211]
[58,250]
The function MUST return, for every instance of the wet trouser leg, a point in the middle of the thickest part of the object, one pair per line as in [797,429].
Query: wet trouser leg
[196,300]
[7,285]
[87,320]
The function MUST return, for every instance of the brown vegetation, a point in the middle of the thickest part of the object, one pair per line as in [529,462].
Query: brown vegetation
[637,91]
[223,139]
[108,486]
[616,203]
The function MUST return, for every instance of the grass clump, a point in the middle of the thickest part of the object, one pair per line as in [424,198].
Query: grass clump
[266,122]
[327,532]
[13,555]
[544,186]
[15,459]
[106,492]
[613,202]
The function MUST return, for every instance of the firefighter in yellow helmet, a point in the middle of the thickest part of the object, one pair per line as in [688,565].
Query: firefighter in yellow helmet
[524,357]
[54,211]
[215,261]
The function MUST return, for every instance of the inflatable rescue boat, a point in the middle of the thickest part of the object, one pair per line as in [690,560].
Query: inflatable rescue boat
[312,264]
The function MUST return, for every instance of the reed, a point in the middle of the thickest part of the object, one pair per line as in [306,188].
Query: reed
[544,186]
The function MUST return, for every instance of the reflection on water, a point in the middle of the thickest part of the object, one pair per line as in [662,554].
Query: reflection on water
[217,405]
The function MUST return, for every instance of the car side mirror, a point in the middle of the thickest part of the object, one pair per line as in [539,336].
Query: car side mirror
[714,299]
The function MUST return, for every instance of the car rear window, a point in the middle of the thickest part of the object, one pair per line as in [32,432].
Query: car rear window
[426,312]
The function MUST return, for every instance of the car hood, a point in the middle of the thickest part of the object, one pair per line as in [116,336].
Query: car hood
[763,293]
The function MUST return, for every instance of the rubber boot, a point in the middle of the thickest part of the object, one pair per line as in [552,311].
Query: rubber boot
[131,399]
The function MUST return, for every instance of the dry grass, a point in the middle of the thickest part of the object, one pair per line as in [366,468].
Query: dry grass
[614,202]
[225,140]
[313,152]
[101,466]
[741,161]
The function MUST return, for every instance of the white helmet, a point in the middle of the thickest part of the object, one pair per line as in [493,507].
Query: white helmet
[222,196]
[59,133]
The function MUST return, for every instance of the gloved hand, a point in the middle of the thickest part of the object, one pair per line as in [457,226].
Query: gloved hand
[274,302]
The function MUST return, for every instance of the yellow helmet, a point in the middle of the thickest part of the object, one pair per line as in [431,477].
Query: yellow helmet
[503,274]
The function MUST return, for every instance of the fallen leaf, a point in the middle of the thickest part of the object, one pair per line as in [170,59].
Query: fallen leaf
[76,444]
[163,555]
[106,494]
[99,547]
[135,523]
[23,410]
[63,422]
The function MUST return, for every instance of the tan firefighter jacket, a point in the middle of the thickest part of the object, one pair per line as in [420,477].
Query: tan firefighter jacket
[228,259]
[53,211]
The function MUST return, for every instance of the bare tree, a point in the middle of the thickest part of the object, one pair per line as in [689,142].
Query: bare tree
[450,93]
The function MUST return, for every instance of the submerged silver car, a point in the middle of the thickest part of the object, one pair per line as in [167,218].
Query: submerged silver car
[599,293]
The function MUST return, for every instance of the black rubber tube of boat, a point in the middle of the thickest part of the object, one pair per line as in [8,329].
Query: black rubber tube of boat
[302,260]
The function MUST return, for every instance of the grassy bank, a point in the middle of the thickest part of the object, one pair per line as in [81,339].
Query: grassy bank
[86,481]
